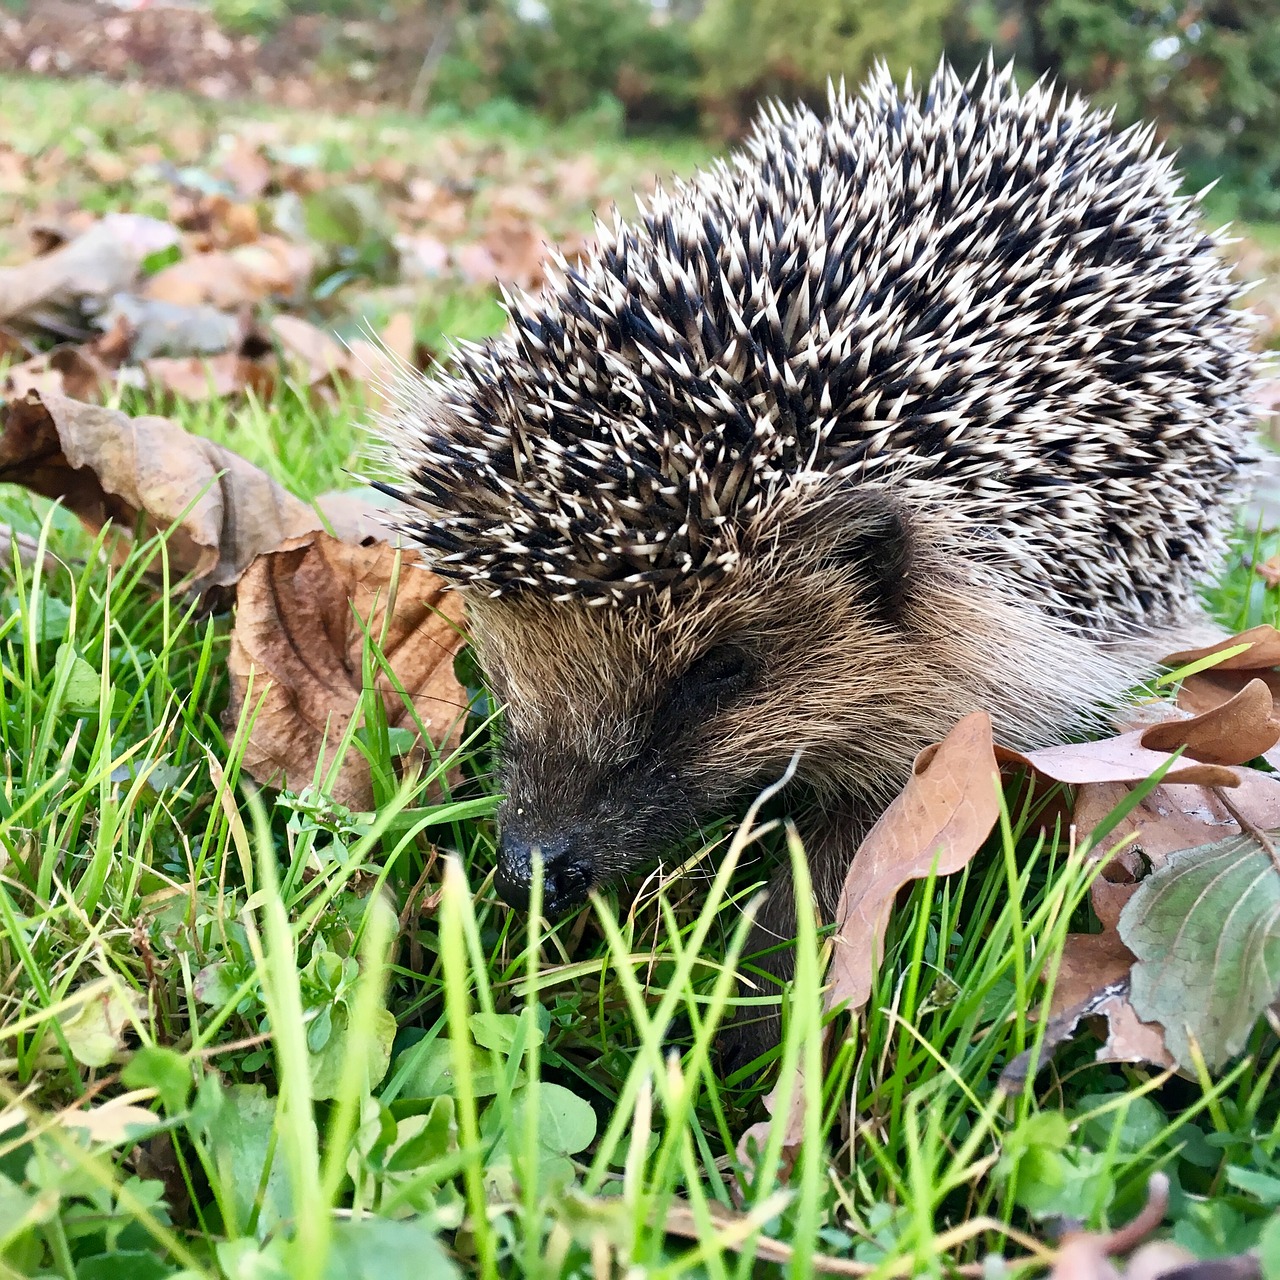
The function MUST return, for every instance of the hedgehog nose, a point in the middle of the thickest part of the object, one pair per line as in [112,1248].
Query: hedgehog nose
[566,877]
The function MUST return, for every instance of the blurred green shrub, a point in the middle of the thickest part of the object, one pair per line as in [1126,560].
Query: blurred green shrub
[568,57]
[251,17]
[754,49]
[1208,71]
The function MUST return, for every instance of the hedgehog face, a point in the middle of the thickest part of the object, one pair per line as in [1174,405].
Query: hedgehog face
[628,727]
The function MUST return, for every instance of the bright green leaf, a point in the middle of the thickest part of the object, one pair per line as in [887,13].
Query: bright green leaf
[1264,1187]
[375,1041]
[155,1067]
[379,1249]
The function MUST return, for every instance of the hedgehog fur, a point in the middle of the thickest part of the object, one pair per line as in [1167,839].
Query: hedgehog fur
[938,401]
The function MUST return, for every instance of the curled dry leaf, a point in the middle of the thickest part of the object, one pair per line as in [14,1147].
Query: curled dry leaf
[1263,651]
[1233,732]
[1205,690]
[1119,759]
[107,466]
[297,632]
[947,809]
[1093,978]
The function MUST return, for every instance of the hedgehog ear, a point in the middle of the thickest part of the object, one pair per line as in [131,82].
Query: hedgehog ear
[869,530]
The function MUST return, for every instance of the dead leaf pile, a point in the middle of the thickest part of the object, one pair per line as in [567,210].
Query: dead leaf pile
[268,263]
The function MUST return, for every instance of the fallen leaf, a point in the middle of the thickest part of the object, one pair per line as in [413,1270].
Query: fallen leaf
[1205,928]
[1233,732]
[107,466]
[67,369]
[1263,651]
[246,168]
[213,377]
[1208,689]
[319,354]
[1129,1039]
[170,329]
[217,279]
[1090,961]
[399,338]
[90,268]
[1177,816]
[947,809]
[1119,759]
[1093,978]
[1269,571]
[296,632]
[114,1122]
[274,267]
[757,1135]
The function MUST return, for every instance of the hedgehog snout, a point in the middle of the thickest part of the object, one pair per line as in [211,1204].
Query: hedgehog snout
[566,871]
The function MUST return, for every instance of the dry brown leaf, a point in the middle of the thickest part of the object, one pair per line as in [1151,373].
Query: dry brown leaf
[1263,651]
[399,337]
[1129,1039]
[945,812]
[246,168]
[319,354]
[1093,977]
[108,466]
[1202,692]
[1234,732]
[758,1134]
[93,266]
[212,279]
[68,370]
[1119,759]
[274,266]
[1208,689]
[1090,961]
[218,376]
[1269,571]
[296,632]
[1180,816]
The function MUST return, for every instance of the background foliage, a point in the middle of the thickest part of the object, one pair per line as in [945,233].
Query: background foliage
[1207,71]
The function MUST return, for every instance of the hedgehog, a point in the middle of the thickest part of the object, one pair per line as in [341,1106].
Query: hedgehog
[936,402]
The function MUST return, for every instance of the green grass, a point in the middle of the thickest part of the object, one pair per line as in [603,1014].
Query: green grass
[227,957]
[343,1056]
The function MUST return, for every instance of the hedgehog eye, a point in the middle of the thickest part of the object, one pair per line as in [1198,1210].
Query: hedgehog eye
[714,678]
